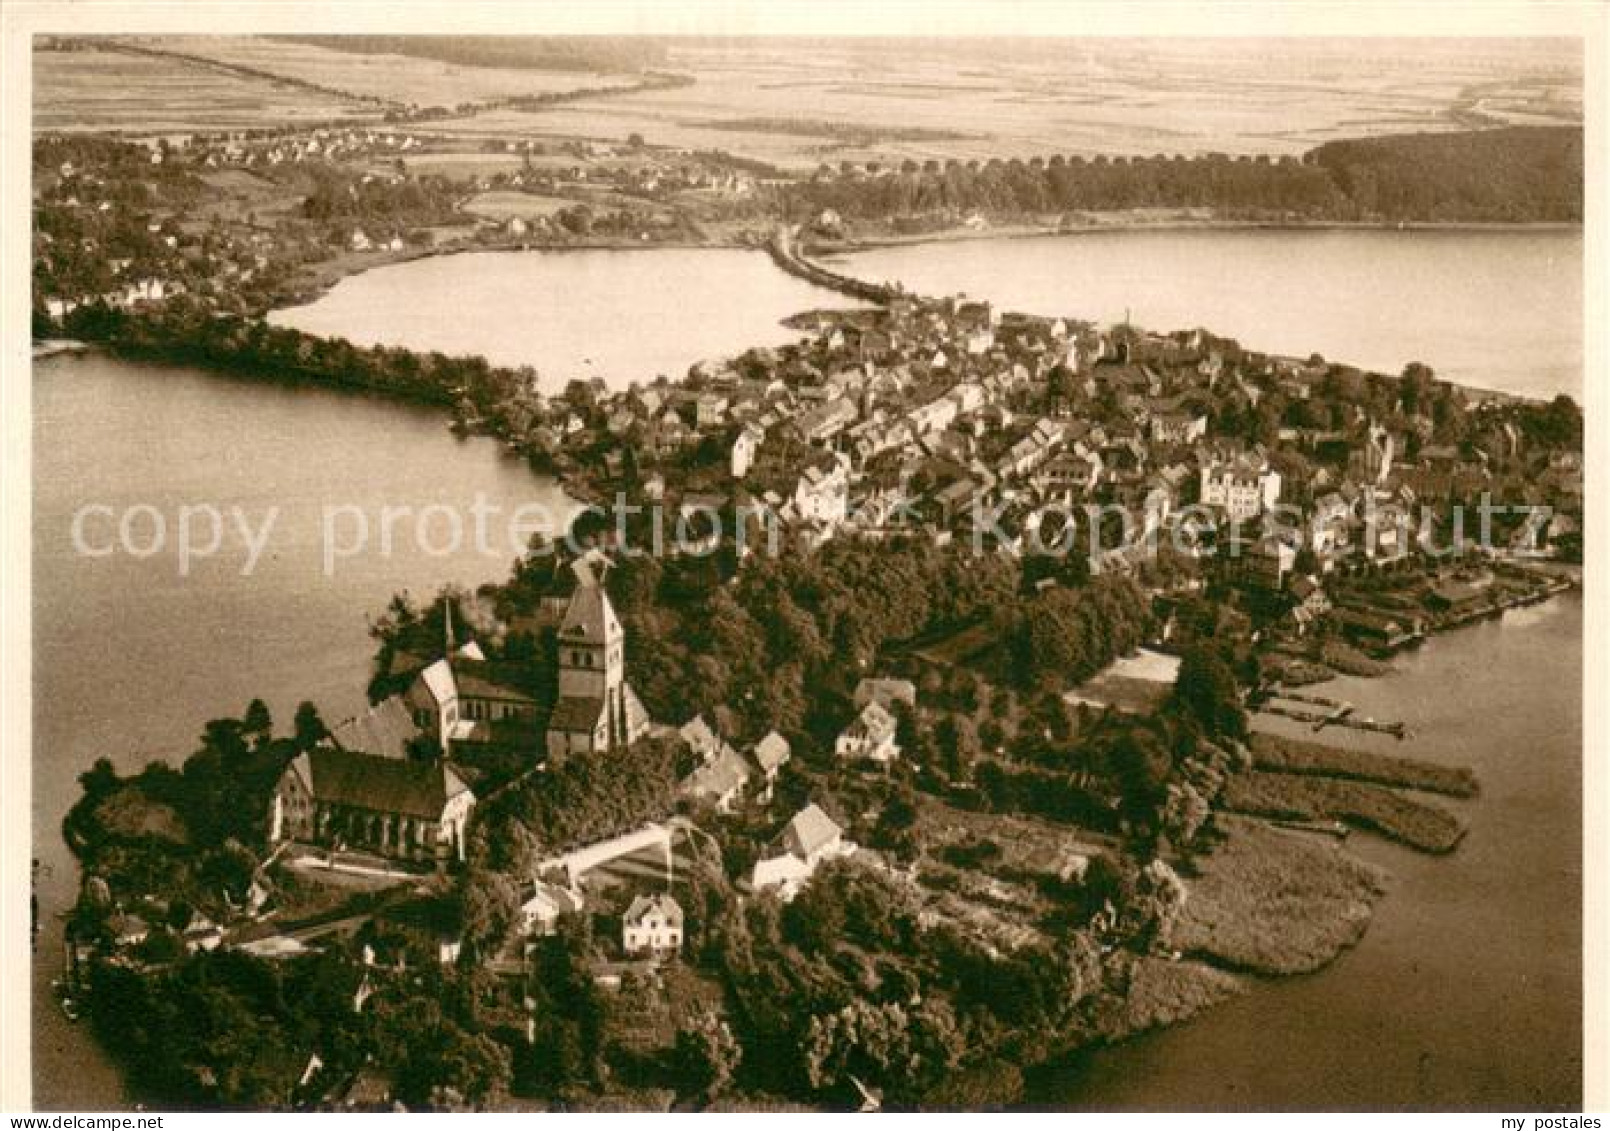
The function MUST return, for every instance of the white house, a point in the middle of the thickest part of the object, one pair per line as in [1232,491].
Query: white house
[744,449]
[869,736]
[540,913]
[809,838]
[1245,487]
[720,781]
[652,925]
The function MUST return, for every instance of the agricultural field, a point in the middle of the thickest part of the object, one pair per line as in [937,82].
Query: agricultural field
[797,103]
[397,79]
[108,90]
[460,164]
[511,205]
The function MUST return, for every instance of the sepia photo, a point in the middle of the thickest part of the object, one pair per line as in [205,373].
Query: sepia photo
[978,561]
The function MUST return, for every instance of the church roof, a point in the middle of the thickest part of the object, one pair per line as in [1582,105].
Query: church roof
[482,679]
[382,785]
[589,616]
[385,729]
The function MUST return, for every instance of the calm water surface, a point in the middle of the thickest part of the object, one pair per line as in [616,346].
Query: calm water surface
[623,315]
[130,658]
[1498,309]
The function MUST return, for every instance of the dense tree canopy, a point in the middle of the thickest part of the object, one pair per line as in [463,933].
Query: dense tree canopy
[1519,173]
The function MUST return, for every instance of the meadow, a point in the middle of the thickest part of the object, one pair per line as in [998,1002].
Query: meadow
[108,90]
[510,205]
[797,103]
[393,78]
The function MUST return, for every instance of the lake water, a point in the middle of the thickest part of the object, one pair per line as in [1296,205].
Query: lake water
[1497,309]
[1465,993]
[623,315]
[130,658]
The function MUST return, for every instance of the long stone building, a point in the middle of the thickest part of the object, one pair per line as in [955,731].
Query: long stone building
[407,810]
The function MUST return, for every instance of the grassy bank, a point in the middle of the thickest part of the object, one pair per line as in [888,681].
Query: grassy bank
[1155,992]
[1275,902]
[1342,657]
[1418,824]
[1296,756]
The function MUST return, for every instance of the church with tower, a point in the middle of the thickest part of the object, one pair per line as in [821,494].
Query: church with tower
[597,709]
[366,787]
[465,701]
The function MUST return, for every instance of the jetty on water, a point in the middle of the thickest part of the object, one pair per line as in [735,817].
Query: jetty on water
[1321,711]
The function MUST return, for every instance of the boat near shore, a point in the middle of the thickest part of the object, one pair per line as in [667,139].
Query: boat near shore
[56,347]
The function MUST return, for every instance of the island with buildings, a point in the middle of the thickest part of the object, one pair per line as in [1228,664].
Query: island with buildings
[920,756]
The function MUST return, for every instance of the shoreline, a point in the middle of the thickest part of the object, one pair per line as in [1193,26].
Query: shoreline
[1024,230]
[326,277]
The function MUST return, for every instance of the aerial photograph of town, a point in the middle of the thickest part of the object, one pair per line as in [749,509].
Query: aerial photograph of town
[782,573]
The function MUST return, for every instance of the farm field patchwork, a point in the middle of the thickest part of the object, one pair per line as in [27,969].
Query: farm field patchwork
[96,89]
[395,78]
[886,103]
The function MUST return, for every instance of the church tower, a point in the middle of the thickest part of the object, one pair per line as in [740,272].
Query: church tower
[596,709]
[592,647]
